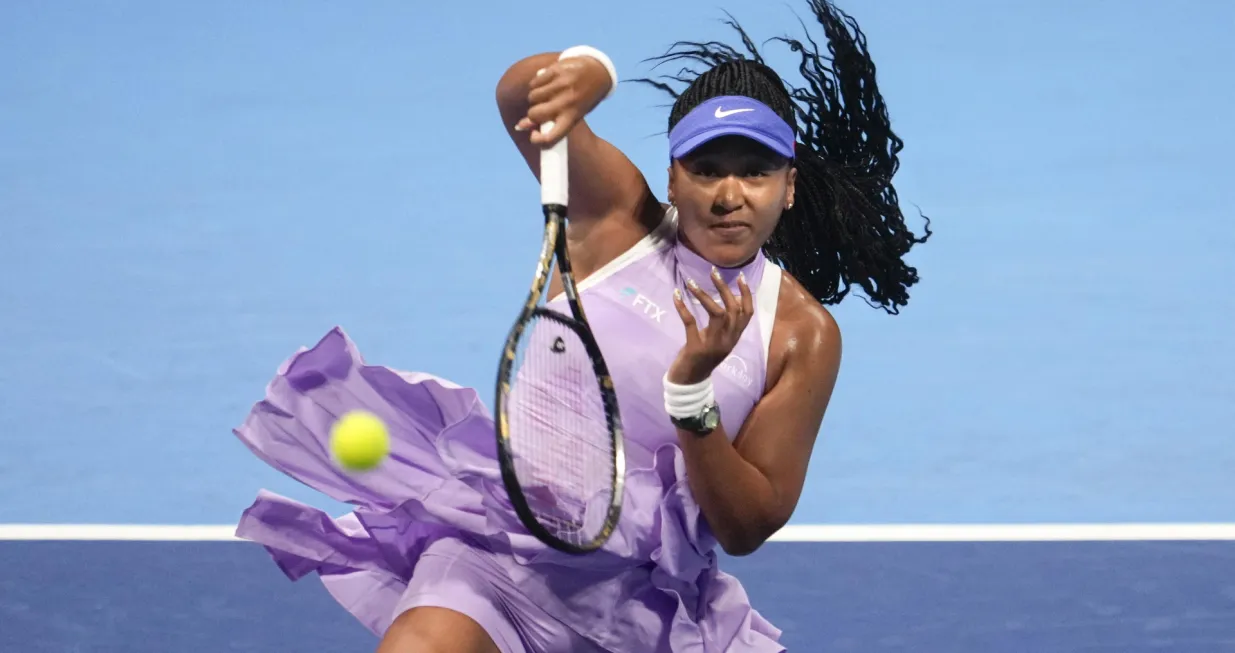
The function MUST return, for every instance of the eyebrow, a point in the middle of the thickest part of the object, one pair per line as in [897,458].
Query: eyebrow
[764,159]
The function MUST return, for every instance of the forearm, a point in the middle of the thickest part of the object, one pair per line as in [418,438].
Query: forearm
[738,501]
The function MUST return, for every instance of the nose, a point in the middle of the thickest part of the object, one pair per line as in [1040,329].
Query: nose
[728,196]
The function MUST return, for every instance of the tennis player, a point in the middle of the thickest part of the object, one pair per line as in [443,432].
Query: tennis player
[710,311]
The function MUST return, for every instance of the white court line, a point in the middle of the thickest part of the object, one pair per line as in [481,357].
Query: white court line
[118,532]
[793,533]
[1004,532]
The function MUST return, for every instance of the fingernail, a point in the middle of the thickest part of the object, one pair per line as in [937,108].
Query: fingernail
[540,72]
[519,127]
[715,272]
[677,294]
[691,283]
[742,277]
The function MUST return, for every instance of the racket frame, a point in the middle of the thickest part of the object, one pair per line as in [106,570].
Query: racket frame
[554,205]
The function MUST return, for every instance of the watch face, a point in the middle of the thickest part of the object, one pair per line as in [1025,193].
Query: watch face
[711,418]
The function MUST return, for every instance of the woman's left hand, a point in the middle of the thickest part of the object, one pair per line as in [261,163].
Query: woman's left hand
[708,347]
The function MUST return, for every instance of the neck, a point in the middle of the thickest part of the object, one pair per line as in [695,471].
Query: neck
[685,242]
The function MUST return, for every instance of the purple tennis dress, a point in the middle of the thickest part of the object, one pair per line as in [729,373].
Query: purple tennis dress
[433,525]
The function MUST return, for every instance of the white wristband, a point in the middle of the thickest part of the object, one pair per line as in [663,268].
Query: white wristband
[589,51]
[682,401]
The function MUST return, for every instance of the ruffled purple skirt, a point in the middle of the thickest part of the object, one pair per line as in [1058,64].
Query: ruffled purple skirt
[433,525]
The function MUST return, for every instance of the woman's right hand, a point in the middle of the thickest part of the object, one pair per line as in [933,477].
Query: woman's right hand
[564,92]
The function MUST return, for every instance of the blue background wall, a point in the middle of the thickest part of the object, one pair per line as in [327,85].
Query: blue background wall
[189,192]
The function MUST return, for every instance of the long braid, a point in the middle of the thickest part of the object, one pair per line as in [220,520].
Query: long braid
[846,226]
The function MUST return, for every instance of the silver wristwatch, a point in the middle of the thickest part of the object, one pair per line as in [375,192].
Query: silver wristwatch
[702,424]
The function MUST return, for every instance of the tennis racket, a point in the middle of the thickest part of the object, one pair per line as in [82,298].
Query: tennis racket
[559,433]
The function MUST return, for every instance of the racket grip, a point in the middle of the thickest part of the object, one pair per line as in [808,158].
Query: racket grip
[554,181]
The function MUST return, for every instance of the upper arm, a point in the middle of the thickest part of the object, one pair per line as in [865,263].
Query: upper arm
[603,182]
[779,434]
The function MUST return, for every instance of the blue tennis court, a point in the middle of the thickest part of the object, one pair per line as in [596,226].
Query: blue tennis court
[1012,596]
[1034,457]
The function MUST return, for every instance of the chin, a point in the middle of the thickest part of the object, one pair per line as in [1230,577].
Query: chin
[729,255]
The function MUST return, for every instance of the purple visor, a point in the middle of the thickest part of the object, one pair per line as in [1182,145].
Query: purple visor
[731,115]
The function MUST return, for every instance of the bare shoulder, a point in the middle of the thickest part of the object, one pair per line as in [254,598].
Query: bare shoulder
[805,336]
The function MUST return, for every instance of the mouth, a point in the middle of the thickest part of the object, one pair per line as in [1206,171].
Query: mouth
[730,227]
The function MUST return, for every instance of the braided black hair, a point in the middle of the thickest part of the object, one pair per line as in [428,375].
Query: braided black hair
[845,226]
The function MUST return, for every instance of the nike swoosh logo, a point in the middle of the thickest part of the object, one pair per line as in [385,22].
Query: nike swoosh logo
[721,113]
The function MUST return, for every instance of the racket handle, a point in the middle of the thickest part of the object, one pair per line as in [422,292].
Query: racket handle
[554,186]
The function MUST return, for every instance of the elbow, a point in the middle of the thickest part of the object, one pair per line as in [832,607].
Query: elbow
[746,536]
[739,547]
[743,541]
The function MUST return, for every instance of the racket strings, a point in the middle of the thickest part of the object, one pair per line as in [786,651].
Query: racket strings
[559,433]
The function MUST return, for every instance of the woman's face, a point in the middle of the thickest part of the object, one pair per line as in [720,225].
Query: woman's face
[730,193]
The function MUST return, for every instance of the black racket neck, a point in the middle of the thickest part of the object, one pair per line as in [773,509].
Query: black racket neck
[557,213]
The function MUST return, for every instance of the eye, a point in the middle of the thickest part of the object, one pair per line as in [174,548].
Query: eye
[706,169]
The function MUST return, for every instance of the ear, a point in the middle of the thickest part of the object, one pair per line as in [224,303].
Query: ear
[791,187]
[672,179]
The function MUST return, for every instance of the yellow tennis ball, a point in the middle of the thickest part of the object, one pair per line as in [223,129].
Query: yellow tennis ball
[359,441]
